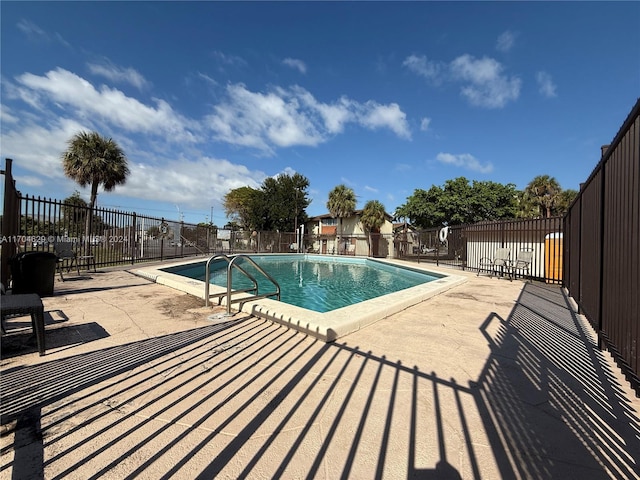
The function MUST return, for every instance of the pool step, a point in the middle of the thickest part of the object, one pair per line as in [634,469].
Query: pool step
[231,261]
[220,295]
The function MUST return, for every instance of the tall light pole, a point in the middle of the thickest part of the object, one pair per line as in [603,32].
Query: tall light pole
[180,218]
[295,222]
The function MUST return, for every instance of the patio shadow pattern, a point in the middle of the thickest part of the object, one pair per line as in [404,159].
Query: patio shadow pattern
[246,398]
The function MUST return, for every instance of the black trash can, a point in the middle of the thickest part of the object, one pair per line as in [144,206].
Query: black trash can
[33,272]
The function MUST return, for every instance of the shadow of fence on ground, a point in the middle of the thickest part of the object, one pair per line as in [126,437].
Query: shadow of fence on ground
[547,393]
[20,339]
[245,398]
[24,388]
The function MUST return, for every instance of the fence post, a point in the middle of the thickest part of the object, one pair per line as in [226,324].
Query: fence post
[603,204]
[10,221]
[133,234]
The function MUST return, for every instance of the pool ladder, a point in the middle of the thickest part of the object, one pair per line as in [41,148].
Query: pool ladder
[254,291]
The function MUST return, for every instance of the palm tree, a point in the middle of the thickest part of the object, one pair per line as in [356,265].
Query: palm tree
[372,218]
[91,159]
[544,191]
[526,207]
[342,203]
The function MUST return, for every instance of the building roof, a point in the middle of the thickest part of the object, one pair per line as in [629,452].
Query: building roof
[356,212]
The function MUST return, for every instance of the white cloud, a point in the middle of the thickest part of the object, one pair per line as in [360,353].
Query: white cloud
[348,182]
[262,121]
[546,87]
[37,147]
[466,161]
[29,180]
[424,124]
[32,30]
[230,60]
[279,118]
[34,33]
[207,79]
[506,41]
[188,182]
[288,171]
[371,189]
[6,116]
[119,74]
[374,116]
[487,85]
[293,117]
[420,65]
[334,116]
[42,112]
[107,104]
[295,64]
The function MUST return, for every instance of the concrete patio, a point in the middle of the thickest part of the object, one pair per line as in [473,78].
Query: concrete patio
[491,379]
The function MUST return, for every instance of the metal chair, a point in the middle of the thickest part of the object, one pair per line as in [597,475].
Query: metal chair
[66,254]
[522,264]
[500,261]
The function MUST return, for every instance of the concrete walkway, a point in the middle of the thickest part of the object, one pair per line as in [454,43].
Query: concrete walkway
[492,379]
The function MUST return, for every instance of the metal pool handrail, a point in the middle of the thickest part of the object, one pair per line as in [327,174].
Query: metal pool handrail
[207,276]
[231,264]
[253,297]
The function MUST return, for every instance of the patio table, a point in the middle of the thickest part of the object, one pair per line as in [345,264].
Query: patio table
[26,304]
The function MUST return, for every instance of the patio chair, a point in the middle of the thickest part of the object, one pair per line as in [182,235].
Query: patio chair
[521,264]
[499,262]
[67,257]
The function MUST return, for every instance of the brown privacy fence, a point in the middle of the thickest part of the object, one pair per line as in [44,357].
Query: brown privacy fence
[602,248]
[464,246]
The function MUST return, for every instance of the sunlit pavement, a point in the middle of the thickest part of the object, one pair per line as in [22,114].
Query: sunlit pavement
[491,379]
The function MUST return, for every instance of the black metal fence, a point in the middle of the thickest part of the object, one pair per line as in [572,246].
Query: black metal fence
[464,246]
[602,251]
[125,238]
[120,238]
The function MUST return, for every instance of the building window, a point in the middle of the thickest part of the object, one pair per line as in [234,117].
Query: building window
[329,222]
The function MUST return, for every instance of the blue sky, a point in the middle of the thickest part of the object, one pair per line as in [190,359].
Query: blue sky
[385,97]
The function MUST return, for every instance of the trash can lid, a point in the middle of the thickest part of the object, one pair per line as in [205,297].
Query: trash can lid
[33,255]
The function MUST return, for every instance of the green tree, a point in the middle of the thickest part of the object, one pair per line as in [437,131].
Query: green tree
[526,207]
[459,202]
[422,208]
[492,201]
[34,227]
[456,202]
[341,204]
[285,201]
[372,218]
[564,201]
[243,207]
[279,204]
[74,213]
[544,191]
[91,159]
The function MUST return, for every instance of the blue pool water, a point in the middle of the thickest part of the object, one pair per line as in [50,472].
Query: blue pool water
[318,283]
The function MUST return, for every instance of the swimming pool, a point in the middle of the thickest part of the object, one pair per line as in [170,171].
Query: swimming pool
[330,325]
[321,284]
